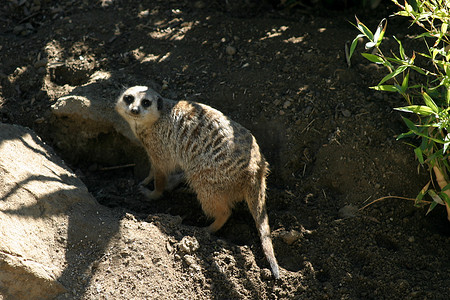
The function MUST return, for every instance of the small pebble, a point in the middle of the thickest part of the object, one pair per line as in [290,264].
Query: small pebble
[18,29]
[169,247]
[346,113]
[266,274]
[348,211]
[307,110]
[39,120]
[190,261]
[199,4]
[189,244]
[287,104]
[290,237]
[230,50]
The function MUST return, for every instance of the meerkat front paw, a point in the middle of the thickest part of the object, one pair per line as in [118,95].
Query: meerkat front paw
[149,194]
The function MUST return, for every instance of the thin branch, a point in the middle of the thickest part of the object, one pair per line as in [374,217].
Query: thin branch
[392,197]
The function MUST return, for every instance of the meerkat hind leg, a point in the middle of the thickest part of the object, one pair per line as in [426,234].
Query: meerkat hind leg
[218,207]
[219,222]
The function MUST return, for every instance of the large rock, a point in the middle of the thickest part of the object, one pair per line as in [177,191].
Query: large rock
[87,128]
[51,228]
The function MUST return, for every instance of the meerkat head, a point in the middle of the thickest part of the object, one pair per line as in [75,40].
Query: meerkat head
[139,104]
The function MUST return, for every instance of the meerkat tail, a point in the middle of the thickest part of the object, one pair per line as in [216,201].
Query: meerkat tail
[257,205]
[266,242]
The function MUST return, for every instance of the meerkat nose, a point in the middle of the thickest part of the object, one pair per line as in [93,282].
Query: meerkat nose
[135,110]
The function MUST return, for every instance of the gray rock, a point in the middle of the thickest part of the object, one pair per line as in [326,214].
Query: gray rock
[348,211]
[48,220]
[290,237]
[346,113]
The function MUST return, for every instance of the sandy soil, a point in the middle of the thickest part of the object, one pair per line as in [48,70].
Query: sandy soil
[330,140]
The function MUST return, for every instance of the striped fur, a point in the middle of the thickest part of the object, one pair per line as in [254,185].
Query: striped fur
[221,159]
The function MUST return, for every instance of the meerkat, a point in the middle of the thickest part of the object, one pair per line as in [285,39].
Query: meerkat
[220,159]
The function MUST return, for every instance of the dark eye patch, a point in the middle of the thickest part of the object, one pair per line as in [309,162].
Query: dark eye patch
[146,103]
[128,99]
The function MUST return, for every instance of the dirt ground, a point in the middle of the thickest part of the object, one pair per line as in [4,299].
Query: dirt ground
[330,140]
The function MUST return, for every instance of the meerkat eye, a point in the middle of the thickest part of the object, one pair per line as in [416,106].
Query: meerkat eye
[128,99]
[146,103]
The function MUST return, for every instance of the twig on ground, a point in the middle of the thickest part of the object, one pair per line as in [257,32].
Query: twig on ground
[392,197]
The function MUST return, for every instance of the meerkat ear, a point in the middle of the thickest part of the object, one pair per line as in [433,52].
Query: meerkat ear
[159,102]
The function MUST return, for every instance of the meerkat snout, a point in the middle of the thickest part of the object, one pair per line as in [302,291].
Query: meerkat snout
[134,110]
[139,105]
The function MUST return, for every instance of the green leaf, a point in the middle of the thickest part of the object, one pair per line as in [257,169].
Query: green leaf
[425,144]
[430,103]
[417,109]
[404,135]
[425,34]
[447,94]
[395,60]
[446,187]
[435,197]
[419,70]
[436,154]
[408,8]
[354,43]
[432,206]
[413,4]
[405,83]
[447,143]
[446,147]
[402,13]
[422,192]
[410,124]
[393,74]
[445,197]
[419,154]
[446,164]
[444,27]
[386,88]
[434,53]
[373,58]
[400,48]
[369,45]
[364,29]
[379,33]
